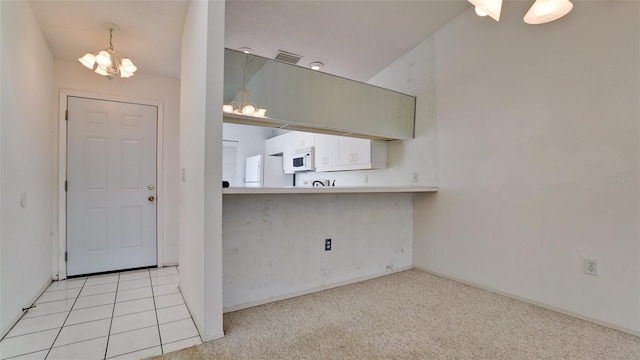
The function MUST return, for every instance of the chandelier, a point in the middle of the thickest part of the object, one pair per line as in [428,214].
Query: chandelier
[107,62]
[542,11]
[242,105]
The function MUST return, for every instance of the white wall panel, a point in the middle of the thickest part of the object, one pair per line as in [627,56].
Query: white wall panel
[26,74]
[538,159]
[274,246]
[201,165]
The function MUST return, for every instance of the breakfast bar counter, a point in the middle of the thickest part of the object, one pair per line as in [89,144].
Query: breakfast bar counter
[325,190]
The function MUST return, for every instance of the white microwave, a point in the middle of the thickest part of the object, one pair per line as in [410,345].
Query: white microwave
[303,160]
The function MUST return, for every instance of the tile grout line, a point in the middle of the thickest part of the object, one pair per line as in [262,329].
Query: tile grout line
[135,351]
[45,291]
[106,348]
[155,309]
[65,320]
[17,356]
[78,342]
[190,315]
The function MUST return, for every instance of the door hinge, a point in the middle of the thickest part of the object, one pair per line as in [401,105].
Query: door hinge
[66,184]
[66,114]
[66,256]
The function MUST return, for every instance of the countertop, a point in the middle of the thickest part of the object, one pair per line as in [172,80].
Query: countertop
[325,190]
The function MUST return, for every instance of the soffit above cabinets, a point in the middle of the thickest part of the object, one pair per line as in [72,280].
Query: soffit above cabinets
[261,91]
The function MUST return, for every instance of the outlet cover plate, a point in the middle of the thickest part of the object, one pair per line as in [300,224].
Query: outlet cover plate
[591,267]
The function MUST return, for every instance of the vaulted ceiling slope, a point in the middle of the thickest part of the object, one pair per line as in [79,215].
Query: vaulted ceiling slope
[353,38]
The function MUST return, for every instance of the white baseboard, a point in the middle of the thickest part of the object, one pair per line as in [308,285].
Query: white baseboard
[212,337]
[310,291]
[533,302]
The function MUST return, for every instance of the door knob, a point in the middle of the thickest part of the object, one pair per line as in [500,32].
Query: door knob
[151,198]
[151,187]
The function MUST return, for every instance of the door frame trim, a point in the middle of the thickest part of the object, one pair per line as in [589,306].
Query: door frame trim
[61,248]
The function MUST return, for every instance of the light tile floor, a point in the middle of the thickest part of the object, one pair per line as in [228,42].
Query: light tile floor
[126,315]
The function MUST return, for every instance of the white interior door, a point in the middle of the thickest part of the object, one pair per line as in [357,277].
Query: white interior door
[111,185]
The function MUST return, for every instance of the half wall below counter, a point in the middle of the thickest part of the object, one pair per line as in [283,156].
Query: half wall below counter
[274,239]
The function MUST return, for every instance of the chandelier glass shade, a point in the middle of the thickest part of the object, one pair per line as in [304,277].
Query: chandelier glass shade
[542,11]
[242,105]
[107,62]
[493,8]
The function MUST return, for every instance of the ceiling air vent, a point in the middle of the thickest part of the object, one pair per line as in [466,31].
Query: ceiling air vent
[288,57]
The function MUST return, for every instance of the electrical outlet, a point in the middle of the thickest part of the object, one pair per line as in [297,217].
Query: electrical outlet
[591,267]
[327,244]
[415,177]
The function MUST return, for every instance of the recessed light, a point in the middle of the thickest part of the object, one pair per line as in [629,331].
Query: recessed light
[246,50]
[316,65]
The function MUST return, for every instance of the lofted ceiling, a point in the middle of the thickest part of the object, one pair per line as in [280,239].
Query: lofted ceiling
[353,38]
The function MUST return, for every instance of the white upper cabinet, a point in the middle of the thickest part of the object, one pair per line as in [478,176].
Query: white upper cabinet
[332,153]
[302,139]
[362,154]
[327,151]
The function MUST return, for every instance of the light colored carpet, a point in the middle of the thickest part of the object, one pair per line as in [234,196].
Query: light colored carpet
[409,315]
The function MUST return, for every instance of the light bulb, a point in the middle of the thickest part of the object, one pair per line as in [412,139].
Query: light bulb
[125,74]
[316,65]
[88,60]
[261,112]
[491,8]
[481,12]
[227,108]
[103,58]
[249,110]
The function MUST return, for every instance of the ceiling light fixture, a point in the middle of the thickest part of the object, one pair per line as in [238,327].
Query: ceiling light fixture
[316,65]
[246,50]
[107,62]
[493,8]
[241,105]
[542,11]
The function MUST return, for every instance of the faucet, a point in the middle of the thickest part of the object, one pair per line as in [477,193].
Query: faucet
[318,183]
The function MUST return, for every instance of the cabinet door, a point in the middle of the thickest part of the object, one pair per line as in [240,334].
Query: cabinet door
[327,151]
[354,151]
[302,139]
[273,146]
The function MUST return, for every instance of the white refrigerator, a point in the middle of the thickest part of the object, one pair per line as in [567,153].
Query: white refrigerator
[266,171]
